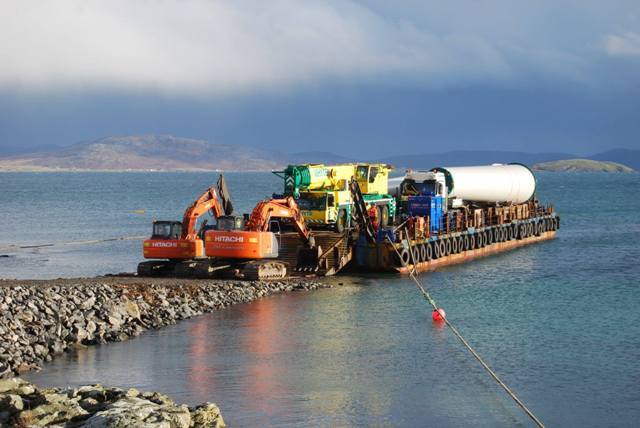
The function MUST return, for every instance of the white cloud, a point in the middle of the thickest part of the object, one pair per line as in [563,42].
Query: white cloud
[211,46]
[627,44]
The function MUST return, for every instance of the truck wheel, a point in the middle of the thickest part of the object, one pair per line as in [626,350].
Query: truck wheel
[341,222]
[383,214]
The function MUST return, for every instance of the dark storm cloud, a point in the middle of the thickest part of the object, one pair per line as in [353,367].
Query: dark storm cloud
[217,47]
[323,74]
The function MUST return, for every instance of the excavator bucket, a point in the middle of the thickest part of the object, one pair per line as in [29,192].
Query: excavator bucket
[223,192]
[308,259]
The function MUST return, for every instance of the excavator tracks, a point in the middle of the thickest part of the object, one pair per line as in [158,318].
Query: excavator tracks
[264,270]
[155,268]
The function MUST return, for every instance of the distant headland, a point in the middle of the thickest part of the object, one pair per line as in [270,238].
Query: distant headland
[582,165]
[170,153]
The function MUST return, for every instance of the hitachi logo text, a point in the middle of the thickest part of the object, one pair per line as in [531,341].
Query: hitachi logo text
[164,244]
[229,239]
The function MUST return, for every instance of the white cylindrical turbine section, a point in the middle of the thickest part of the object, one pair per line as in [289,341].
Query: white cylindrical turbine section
[513,183]
[393,185]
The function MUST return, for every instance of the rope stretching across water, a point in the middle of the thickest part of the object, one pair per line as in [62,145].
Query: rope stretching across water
[53,244]
[427,296]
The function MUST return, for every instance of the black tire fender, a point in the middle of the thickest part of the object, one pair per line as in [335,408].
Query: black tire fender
[415,254]
[435,246]
[423,252]
[404,256]
[454,245]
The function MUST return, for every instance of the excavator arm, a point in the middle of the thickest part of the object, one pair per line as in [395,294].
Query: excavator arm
[208,201]
[287,208]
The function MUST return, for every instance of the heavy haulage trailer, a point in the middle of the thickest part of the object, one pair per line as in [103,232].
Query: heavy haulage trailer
[450,215]
[333,216]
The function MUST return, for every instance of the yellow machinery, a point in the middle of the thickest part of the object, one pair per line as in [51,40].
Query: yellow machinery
[322,191]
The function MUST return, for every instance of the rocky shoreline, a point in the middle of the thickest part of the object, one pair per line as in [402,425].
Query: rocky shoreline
[23,404]
[40,319]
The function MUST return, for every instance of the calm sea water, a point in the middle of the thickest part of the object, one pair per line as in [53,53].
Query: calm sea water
[559,321]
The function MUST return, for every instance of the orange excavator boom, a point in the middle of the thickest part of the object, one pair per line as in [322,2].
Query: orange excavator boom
[255,241]
[208,201]
[285,208]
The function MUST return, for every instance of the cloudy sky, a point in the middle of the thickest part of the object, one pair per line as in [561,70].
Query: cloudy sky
[342,76]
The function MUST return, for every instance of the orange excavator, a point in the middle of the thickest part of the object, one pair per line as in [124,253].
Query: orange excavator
[177,247]
[252,242]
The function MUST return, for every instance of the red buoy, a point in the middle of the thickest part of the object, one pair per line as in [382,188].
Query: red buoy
[439,314]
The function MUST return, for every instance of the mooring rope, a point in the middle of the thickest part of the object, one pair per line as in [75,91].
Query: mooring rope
[93,241]
[427,296]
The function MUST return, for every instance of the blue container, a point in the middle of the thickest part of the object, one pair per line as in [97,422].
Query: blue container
[420,205]
[427,205]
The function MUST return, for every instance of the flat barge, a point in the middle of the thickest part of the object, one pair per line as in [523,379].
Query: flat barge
[421,254]
[354,216]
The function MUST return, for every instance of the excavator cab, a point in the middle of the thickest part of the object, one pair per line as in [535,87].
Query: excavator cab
[163,229]
[230,222]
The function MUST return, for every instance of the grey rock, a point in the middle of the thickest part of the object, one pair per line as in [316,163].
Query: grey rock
[11,403]
[57,409]
[134,411]
[207,415]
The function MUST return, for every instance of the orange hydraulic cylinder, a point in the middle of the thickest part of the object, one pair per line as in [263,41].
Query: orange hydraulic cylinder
[240,244]
[173,249]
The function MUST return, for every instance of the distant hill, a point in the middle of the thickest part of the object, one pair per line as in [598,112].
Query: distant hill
[582,165]
[166,152]
[146,152]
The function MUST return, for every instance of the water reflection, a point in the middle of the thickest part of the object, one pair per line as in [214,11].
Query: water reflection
[201,371]
[367,353]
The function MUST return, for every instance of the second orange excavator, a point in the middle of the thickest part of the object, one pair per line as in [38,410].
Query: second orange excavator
[252,242]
